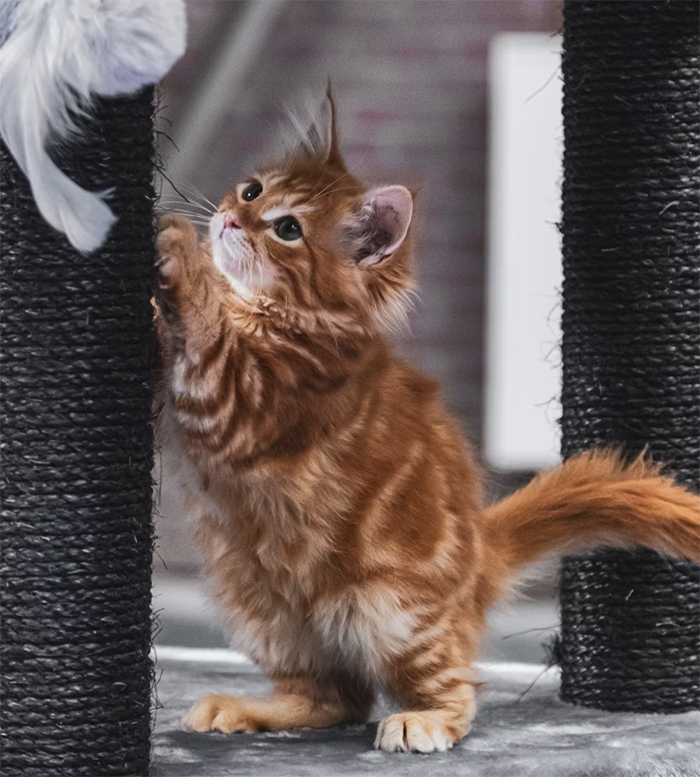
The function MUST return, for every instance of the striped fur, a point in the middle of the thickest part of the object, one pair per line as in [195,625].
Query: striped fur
[339,508]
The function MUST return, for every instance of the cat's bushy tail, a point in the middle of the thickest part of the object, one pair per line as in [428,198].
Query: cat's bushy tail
[596,498]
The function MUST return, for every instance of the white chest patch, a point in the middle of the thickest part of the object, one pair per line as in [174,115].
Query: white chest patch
[364,627]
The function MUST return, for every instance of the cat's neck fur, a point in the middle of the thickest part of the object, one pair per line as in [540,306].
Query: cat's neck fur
[290,375]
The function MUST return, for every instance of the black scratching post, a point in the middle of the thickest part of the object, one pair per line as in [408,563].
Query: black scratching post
[630,636]
[76,353]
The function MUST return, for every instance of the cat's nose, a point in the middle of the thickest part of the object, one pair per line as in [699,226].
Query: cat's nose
[230,221]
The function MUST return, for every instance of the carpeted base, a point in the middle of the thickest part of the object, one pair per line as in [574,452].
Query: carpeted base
[517,733]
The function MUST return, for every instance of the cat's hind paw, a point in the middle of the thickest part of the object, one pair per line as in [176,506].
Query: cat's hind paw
[413,732]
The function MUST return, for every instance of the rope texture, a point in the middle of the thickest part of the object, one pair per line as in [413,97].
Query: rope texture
[76,355]
[630,637]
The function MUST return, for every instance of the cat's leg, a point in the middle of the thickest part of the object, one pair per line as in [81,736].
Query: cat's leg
[296,702]
[437,690]
[187,288]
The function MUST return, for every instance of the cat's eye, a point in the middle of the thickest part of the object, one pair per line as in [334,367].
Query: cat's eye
[288,228]
[252,191]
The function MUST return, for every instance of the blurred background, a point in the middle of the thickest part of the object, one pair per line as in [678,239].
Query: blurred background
[459,98]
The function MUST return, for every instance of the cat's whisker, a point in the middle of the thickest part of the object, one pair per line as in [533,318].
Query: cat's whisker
[183,212]
[332,183]
[198,193]
[332,191]
[178,208]
[186,204]
[182,204]
[198,222]
[326,188]
[247,278]
[254,267]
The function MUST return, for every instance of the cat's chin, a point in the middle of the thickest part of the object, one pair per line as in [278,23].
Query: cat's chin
[233,271]
[240,288]
[233,258]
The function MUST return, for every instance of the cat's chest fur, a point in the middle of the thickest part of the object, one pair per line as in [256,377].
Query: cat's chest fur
[277,557]
[250,517]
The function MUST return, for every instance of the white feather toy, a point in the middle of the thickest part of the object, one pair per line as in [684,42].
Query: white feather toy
[55,56]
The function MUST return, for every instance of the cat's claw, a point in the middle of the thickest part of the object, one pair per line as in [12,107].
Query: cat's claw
[411,732]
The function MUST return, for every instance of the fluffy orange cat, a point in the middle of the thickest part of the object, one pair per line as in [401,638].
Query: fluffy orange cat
[337,503]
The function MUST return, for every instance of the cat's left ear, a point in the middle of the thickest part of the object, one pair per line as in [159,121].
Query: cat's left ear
[384,220]
[334,158]
[319,137]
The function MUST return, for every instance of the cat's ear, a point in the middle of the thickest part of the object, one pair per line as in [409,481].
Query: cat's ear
[317,132]
[383,223]
[334,158]
[315,138]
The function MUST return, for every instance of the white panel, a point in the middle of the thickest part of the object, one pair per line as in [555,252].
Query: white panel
[524,269]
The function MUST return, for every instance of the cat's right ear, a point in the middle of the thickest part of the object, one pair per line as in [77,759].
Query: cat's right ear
[382,223]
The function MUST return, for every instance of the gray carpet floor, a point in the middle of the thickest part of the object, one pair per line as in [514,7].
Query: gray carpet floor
[522,730]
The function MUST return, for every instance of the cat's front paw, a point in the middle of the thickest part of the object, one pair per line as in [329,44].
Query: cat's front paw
[176,240]
[219,713]
[176,234]
[413,732]
[176,245]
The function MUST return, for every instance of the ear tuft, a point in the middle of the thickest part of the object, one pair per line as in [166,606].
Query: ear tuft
[311,129]
[334,158]
[384,219]
[314,131]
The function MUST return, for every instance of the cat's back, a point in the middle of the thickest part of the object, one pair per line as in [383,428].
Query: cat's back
[416,409]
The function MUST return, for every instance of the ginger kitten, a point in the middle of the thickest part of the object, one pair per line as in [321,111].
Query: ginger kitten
[337,503]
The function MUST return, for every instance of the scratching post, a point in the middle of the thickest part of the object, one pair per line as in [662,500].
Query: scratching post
[631,348]
[76,348]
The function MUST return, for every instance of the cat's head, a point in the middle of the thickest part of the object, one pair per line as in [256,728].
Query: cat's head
[310,235]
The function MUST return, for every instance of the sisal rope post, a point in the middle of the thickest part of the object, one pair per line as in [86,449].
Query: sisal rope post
[630,637]
[76,355]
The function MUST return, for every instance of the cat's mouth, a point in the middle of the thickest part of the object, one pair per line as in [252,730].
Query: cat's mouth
[217,226]
[235,257]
